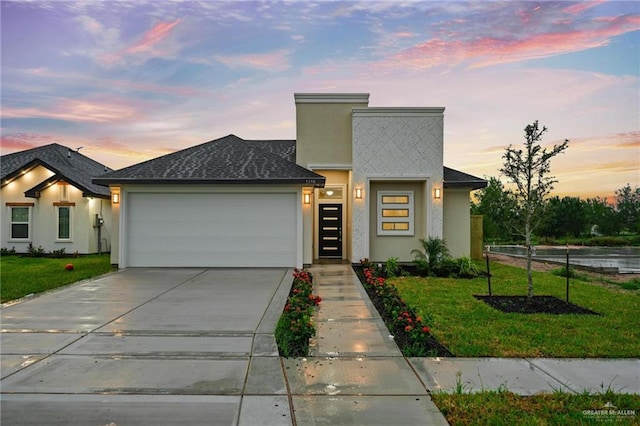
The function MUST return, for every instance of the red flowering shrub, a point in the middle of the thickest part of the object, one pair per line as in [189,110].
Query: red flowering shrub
[295,328]
[410,332]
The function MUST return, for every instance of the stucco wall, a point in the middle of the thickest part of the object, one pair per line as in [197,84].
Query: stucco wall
[396,143]
[44,219]
[323,127]
[457,224]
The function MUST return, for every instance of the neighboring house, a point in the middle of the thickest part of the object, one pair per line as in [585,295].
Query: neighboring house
[358,182]
[49,201]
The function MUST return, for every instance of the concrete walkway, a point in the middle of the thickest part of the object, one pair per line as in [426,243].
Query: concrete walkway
[196,346]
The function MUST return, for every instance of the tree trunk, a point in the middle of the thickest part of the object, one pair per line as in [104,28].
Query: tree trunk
[529,256]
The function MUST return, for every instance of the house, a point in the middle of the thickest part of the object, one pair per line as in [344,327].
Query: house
[358,182]
[49,201]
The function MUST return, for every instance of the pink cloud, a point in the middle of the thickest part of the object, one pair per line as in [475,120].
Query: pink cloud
[578,8]
[78,110]
[152,37]
[274,61]
[146,46]
[489,51]
[21,141]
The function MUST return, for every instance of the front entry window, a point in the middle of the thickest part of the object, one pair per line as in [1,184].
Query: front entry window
[395,213]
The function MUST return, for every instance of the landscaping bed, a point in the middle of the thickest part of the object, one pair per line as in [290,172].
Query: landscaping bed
[537,305]
[410,331]
[295,326]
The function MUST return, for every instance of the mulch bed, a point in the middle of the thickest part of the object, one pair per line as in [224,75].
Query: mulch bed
[538,305]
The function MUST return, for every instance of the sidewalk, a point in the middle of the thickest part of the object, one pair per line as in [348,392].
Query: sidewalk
[357,375]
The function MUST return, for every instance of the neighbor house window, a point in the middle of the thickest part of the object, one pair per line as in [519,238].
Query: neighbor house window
[64,223]
[395,213]
[20,223]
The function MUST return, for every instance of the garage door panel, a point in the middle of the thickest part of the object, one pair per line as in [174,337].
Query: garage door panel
[211,229]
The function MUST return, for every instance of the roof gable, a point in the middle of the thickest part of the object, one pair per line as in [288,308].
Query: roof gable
[68,165]
[226,160]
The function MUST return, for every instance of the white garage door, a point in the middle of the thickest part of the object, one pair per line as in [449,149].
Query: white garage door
[169,229]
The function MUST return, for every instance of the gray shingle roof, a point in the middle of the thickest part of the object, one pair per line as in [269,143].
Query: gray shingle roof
[67,164]
[283,148]
[226,160]
[456,179]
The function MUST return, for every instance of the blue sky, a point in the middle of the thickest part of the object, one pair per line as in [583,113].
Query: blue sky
[132,80]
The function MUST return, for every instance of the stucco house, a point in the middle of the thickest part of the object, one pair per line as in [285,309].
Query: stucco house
[49,201]
[358,182]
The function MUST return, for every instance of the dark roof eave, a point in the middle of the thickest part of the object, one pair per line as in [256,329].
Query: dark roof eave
[316,182]
[472,185]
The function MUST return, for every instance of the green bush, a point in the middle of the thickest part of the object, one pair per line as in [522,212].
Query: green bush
[58,254]
[295,326]
[391,267]
[8,252]
[35,252]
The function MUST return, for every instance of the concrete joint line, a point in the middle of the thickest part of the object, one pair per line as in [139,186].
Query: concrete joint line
[289,395]
[537,367]
[87,333]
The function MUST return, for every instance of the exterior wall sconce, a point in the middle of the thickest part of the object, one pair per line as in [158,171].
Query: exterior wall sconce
[437,193]
[115,198]
[358,193]
[307,198]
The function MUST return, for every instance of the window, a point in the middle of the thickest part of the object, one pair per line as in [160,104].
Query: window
[19,223]
[64,223]
[395,213]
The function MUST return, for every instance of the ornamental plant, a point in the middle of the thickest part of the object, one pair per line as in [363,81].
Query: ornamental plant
[410,331]
[295,327]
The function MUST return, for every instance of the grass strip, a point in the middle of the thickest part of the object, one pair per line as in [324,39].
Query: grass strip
[498,408]
[21,276]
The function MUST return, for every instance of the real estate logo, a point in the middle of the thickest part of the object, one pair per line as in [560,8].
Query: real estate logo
[609,413]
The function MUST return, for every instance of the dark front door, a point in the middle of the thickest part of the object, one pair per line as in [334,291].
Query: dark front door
[330,235]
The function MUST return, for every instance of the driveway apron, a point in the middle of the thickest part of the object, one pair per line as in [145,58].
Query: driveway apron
[148,346]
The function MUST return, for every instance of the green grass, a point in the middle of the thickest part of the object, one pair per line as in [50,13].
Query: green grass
[20,276]
[470,328]
[506,408]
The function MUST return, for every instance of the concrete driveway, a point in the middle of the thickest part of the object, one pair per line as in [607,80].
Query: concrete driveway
[148,346]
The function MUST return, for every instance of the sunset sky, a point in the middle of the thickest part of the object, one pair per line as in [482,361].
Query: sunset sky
[132,80]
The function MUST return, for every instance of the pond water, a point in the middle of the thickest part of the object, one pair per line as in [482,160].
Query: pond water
[624,260]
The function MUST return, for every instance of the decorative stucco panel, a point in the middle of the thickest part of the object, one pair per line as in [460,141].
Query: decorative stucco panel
[396,143]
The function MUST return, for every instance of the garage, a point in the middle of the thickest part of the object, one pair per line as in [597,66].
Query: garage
[228,202]
[211,229]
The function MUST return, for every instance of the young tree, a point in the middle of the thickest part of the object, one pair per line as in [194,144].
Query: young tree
[528,169]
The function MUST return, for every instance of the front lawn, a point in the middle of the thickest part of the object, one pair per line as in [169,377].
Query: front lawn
[470,328]
[20,276]
[506,408]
